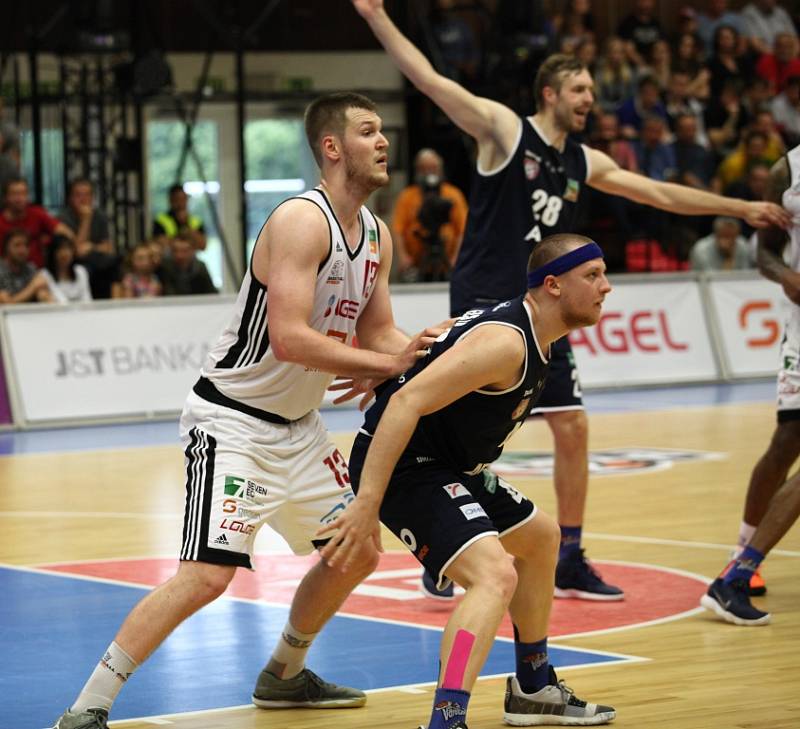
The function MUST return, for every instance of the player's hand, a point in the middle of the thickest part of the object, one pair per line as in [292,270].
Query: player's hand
[356,529]
[355,387]
[764,214]
[367,8]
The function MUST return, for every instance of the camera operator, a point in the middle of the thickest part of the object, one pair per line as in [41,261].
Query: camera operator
[428,222]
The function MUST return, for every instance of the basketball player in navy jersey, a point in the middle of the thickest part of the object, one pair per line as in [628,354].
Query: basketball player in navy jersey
[419,463]
[256,449]
[527,186]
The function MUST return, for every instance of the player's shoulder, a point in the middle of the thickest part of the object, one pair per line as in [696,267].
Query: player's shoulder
[299,212]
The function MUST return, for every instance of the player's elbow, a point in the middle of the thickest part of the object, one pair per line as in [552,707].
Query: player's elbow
[285,347]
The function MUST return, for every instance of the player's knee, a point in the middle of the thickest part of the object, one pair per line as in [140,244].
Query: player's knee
[365,563]
[785,445]
[570,428]
[207,581]
[542,539]
[498,578]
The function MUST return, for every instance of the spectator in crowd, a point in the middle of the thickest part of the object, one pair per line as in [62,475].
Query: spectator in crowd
[89,225]
[678,101]
[20,281]
[736,165]
[457,43]
[763,21]
[646,102]
[640,30]
[656,159]
[615,79]
[716,15]
[753,187]
[586,52]
[574,25]
[726,119]
[178,221]
[764,121]
[429,219]
[726,62]
[724,250]
[778,66]
[606,138]
[182,273]
[659,63]
[141,282]
[93,245]
[68,281]
[688,57]
[785,108]
[694,164]
[19,212]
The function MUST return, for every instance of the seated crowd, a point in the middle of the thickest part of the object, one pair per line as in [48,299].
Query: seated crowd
[72,258]
[712,103]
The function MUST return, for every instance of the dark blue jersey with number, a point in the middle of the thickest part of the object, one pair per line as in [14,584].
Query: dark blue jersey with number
[533,195]
[469,433]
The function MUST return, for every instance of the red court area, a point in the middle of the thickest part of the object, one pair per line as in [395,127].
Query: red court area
[391,593]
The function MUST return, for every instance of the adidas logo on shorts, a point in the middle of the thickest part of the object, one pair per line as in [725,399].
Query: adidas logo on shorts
[221,539]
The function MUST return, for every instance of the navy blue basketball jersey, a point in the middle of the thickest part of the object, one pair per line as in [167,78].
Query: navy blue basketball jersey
[470,433]
[533,195]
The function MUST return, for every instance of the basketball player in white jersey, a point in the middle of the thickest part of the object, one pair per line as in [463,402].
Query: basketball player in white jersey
[773,503]
[256,450]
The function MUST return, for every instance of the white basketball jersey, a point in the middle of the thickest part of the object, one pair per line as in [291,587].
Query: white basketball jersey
[791,201]
[242,366]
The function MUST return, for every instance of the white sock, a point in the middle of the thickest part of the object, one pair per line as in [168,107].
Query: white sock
[746,532]
[106,680]
[289,656]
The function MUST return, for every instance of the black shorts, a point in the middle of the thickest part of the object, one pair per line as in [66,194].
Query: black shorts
[562,390]
[437,512]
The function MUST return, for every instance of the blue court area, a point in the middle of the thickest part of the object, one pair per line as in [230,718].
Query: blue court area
[54,629]
[345,420]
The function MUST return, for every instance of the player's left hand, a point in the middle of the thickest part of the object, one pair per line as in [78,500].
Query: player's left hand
[356,529]
[764,214]
[363,386]
[425,338]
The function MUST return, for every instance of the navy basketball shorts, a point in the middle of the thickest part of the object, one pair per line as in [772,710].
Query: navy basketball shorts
[562,390]
[437,512]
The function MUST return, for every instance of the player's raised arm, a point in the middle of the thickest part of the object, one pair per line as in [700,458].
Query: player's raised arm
[489,122]
[288,254]
[608,177]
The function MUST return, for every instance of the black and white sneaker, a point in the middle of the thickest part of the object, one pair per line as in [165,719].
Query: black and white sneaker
[731,601]
[576,578]
[556,704]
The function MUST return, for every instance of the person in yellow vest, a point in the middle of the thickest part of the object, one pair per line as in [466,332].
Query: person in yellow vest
[179,221]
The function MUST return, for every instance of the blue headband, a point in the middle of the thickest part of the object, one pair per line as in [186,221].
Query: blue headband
[564,263]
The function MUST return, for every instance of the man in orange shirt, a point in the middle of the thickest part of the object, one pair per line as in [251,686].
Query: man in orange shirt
[429,220]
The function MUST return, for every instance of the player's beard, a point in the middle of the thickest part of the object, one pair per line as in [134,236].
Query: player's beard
[362,175]
[578,316]
[567,121]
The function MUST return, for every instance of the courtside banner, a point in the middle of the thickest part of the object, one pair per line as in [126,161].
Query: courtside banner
[649,333]
[750,315]
[94,362]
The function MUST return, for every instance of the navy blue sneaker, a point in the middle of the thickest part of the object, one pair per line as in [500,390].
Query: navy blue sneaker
[576,578]
[460,725]
[731,601]
[428,587]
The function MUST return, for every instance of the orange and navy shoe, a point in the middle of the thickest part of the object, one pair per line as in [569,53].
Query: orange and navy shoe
[757,585]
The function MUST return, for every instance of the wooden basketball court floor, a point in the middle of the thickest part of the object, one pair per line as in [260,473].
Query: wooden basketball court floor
[88,517]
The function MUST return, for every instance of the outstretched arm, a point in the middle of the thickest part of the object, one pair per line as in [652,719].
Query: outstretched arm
[491,355]
[490,123]
[288,253]
[608,177]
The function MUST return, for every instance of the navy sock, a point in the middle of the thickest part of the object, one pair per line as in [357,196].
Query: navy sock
[449,707]
[570,540]
[743,566]
[532,664]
